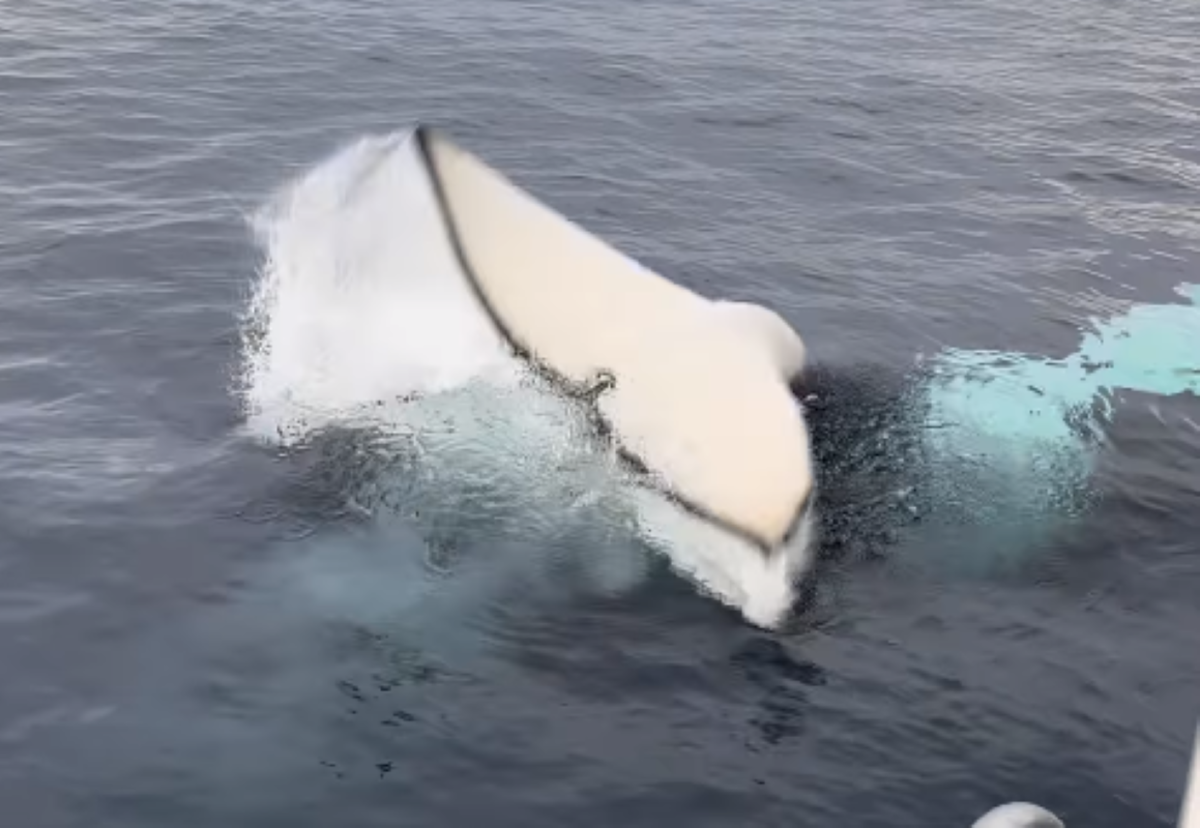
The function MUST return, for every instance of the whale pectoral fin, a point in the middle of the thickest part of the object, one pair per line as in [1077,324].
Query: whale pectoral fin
[701,399]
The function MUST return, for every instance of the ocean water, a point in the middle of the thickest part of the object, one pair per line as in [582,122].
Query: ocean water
[243,582]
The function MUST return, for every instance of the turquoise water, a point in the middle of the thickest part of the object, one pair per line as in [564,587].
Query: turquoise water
[1029,402]
[1013,438]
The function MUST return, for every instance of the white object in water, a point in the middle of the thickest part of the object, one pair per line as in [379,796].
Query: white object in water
[1018,815]
[1026,815]
[1189,816]
[696,391]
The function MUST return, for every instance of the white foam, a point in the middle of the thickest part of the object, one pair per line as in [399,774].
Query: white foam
[360,307]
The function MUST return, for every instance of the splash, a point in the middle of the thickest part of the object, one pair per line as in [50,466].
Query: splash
[356,307]
[361,323]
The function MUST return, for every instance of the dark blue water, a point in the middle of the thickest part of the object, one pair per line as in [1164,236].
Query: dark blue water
[198,627]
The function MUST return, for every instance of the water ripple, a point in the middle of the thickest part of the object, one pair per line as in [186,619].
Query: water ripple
[895,176]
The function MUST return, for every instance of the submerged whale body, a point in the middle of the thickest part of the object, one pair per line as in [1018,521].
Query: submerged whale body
[695,391]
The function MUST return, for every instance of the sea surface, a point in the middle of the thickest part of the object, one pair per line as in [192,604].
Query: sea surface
[227,600]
